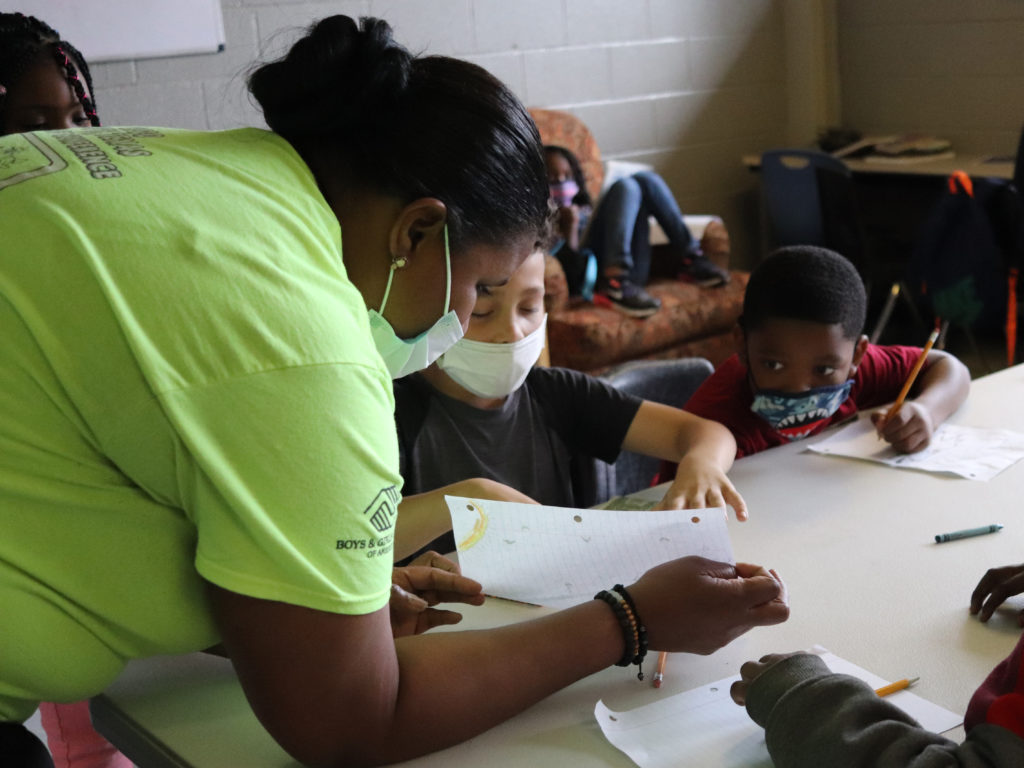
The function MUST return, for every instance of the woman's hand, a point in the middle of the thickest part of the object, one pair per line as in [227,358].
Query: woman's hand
[415,588]
[696,605]
[702,484]
[995,586]
[432,559]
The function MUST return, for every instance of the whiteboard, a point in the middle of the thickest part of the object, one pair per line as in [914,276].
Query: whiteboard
[109,30]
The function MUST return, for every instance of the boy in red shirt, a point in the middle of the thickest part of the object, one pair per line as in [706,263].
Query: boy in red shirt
[803,364]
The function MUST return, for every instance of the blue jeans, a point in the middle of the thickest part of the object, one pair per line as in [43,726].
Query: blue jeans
[619,232]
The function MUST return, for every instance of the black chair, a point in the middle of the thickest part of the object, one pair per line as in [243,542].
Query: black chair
[671,382]
[809,199]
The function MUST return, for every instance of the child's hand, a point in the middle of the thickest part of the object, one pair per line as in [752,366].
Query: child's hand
[995,586]
[909,430]
[702,484]
[752,670]
[414,589]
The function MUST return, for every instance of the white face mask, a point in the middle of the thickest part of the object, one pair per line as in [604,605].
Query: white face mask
[493,370]
[405,356]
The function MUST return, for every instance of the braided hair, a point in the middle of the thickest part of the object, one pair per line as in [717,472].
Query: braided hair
[22,39]
[410,126]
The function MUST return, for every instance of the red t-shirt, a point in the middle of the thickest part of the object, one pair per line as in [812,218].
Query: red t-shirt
[726,397]
[1000,699]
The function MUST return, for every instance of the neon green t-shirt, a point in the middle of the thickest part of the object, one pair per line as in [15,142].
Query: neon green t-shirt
[188,391]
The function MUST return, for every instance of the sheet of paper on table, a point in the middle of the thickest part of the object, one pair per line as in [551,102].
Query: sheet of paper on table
[971,452]
[704,727]
[559,557]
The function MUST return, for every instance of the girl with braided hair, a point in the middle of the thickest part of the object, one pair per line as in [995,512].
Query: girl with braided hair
[44,81]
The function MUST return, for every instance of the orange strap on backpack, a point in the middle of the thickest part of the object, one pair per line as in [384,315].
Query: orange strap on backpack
[961,179]
[964,181]
[1011,315]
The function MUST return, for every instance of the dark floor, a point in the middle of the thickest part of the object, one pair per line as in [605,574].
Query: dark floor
[983,352]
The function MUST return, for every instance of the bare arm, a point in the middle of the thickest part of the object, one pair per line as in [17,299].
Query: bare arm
[703,448]
[339,690]
[424,516]
[944,385]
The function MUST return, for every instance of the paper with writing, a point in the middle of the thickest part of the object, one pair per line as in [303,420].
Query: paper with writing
[971,452]
[704,727]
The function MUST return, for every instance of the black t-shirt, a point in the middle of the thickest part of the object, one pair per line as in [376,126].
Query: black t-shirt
[541,441]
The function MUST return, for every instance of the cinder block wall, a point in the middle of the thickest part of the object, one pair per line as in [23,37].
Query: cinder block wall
[947,67]
[687,85]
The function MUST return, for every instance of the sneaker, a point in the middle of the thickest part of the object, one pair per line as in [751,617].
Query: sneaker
[626,297]
[699,269]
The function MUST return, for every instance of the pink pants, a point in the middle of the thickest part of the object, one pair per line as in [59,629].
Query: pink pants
[72,740]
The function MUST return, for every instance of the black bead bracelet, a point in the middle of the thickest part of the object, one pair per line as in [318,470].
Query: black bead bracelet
[634,633]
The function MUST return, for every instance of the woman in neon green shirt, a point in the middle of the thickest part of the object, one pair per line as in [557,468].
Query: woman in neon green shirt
[196,433]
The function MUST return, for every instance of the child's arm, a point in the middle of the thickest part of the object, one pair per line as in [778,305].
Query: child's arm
[703,448]
[940,389]
[813,717]
[424,516]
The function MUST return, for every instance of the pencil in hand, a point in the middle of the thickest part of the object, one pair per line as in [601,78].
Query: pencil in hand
[895,407]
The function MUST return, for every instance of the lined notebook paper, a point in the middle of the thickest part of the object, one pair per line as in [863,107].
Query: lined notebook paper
[704,727]
[557,556]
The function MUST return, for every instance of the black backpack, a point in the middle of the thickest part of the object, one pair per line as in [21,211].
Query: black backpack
[964,266]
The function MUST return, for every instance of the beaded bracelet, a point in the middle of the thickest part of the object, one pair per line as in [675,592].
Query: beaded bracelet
[634,634]
[629,634]
[641,629]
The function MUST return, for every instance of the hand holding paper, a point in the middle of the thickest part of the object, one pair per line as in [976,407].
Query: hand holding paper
[703,605]
[688,593]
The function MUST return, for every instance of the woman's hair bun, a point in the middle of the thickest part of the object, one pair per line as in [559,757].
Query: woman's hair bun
[359,108]
[342,79]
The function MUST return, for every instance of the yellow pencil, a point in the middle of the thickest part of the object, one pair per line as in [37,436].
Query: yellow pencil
[910,379]
[899,685]
[659,673]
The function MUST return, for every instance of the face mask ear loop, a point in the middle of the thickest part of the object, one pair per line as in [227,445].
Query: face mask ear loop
[396,263]
[448,270]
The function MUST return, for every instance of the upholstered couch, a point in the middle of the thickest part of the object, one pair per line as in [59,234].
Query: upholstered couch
[692,321]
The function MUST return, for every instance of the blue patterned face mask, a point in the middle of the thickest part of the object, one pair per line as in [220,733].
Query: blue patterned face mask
[795,416]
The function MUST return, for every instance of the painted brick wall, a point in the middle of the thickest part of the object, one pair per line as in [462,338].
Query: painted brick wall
[687,85]
[948,67]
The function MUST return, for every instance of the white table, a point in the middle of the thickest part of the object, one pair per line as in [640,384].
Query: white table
[853,540]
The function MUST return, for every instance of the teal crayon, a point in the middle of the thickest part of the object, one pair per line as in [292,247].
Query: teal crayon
[967,533]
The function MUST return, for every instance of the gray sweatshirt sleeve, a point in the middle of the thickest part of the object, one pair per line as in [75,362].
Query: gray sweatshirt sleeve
[813,717]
